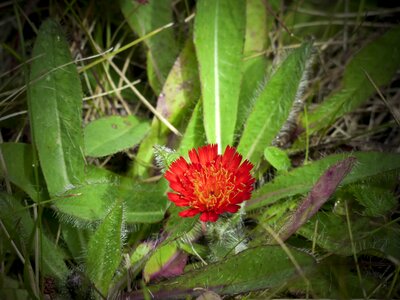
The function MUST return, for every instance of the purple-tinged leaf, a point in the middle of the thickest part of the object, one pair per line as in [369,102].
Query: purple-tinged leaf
[167,261]
[319,194]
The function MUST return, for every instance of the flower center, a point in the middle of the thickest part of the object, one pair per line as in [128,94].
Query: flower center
[213,186]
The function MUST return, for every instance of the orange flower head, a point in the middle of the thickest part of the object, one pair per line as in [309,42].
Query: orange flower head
[211,183]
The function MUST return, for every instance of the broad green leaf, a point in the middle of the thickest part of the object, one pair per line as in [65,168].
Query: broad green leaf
[219,31]
[179,95]
[143,18]
[253,269]
[21,227]
[274,102]
[112,134]
[194,135]
[55,110]
[301,180]
[18,160]
[145,203]
[255,63]
[277,158]
[380,59]
[105,249]
[86,203]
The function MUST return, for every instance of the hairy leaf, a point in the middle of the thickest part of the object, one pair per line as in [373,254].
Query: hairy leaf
[112,134]
[219,31]
[302,179]
[55,110]
[105,249]
[273,104]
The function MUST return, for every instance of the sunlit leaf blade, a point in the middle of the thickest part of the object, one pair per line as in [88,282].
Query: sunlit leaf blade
[21,227]
[105,249]
[143,18]
[301,180]
[380,59]
[18,160]
[55,110]
[179,95]
[237,273]
[274,102]
[112,134]
[319,194]
[255,62]
[219,39]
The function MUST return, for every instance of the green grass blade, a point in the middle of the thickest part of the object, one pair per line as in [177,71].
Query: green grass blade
[162,48]
[219,39]
[112,134]
[302,179]
[55,109]
[105,249]
[380,60]
[274,102]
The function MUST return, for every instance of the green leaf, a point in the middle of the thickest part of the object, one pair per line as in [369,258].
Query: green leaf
[20,171]
[194,135]
[143,18]
[332,235]
[277,158]
[377,201]
[179,94]
[302,179]
[90,202]
[86,203]
[112,134]
[145,203]
[76,240]
[160,263]
[380,59]
[219,31]
[255,63]
[319,194]
[105,249]
[274,102]
[253,269]
[55,110]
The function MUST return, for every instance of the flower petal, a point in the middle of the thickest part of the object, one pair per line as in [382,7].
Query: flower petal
[232,208]
[231,159]
[189,212]
[178,199]
[207,154]
[209,216]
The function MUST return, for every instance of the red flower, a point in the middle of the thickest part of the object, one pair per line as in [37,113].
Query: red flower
[210,184]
